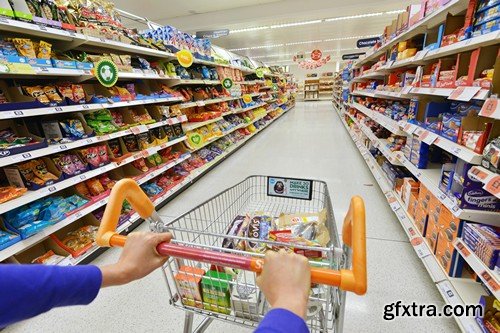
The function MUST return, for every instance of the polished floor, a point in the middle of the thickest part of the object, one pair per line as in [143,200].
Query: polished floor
[308,142]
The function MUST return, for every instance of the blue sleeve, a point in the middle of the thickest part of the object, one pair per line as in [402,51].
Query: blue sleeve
[282,321]
[28,290]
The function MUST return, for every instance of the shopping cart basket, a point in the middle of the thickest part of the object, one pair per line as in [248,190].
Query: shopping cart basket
[208,273]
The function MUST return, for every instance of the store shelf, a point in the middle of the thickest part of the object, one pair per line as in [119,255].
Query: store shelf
[490,179]
[434,19]
[82,107]
[431,179]
[430,138]
[240,110]
[89,208]
[177,81]
[454,291]
[490,279]
[31,196]
[368,93]
[380,144]
[482,94]
[465,45]
[384,121]
[191,126]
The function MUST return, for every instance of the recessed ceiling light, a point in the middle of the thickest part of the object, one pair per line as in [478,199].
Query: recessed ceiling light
[331,19]
[305,42]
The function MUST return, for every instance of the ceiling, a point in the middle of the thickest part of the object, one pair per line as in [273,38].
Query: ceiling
[277,44]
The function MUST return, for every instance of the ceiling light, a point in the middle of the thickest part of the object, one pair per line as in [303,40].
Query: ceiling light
[305,42]
[256,47]
[395,12]
[342,18]
[284,25]
[248,29]
[346,38]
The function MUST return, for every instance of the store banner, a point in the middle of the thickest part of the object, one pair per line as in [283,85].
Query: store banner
[212,33]
[289,188]
[352,56]
[367,42]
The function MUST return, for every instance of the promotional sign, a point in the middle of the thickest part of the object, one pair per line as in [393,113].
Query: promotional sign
[316,55]
[227,83]
[185,58]
[212,33]
[247,98]
[259,72]
[352,56]
[367,42]
[289,188]
[106,73]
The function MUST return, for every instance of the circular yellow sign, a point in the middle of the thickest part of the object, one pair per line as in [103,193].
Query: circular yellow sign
[247,98]
[185,58]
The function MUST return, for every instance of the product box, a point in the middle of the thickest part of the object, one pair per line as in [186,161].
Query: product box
[432,234]
[246,296]
[484,241]
[409,187]
[449,224]
[446,254]
[216,291]
[421,217]
[412,205]
[488,322]
[188,281]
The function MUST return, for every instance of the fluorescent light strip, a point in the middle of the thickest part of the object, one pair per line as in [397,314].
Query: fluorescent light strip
[331,19]
[347,38]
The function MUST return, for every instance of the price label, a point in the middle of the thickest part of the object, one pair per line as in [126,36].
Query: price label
[42,28]
[88,141]
[200,103]
[491,108]
[63,147]
[83,177]
[464,94]
[51,189]
[408,128]
[493,185]
[420,247]
[420,55]
[78,215]
[463,250]
[477,174]
[490,281]
[457,151]
[4,20]
[102,202]
[19,113]
[139,129]
[71,33]
[102,39]
[58,109]
[428,137]
[85,106]
[412,232]
[406,90]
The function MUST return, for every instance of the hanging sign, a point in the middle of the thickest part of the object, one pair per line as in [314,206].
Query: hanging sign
[316,55]
[185,58]
[212,33]
[289,188]
[367,42]
[227,83]
[259,72]
[106,73]
[352,56]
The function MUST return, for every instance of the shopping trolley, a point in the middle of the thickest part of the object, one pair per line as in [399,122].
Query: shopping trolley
[205,276]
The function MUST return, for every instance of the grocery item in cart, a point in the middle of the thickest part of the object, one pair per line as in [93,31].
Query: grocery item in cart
[216,291]
[188,282]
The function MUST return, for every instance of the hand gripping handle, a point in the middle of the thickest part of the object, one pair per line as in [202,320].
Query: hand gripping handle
[353,235]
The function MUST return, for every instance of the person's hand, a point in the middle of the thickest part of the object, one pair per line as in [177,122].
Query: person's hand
[138,258]
[285,281]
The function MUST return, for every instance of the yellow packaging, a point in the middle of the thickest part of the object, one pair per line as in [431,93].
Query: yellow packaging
[402,46]
[24,47]
[44,50]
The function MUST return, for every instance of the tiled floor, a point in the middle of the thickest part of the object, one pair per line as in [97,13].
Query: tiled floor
[308,142]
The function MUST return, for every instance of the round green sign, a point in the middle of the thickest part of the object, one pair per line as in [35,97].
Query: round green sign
[106,73]
[275,87]
[259,72]
[227,83]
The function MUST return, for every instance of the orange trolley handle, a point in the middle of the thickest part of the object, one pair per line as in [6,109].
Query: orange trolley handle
[353,234]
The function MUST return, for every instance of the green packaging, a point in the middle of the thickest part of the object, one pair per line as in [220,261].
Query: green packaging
[217,292]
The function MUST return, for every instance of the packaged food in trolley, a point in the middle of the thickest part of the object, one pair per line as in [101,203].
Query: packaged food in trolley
[219,247]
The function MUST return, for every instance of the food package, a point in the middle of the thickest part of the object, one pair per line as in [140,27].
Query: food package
[309,227]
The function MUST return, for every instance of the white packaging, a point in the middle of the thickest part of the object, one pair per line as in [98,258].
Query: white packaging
[246,296]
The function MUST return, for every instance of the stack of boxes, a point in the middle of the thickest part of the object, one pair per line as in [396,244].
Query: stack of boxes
[484,241]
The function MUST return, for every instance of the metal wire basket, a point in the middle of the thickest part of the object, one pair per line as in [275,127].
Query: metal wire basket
[206,226]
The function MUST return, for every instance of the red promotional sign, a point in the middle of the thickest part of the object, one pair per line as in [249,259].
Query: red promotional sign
[316,55]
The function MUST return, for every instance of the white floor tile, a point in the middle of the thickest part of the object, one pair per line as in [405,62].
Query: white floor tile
[309,142]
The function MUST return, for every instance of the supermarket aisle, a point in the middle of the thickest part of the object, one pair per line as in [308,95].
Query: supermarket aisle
[308,142]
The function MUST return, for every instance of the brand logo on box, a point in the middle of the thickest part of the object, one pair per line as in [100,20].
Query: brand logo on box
[4,153]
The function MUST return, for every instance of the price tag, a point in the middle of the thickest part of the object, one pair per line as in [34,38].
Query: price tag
[78,215]
[406,90]
[491,108]
[463,250]
[428,137]
[464,94]
[200,103]
[493,185]
[412,231]
[420,247]
[490,281]
[102,39]
[58,109]
[420,55]
[477,174]
[102,202]
[71,33]
[4,20]
[85,106]
[62,147]
[83,177]
[42,28]
[50,189]
[408,128]
[139,129]
[89,141]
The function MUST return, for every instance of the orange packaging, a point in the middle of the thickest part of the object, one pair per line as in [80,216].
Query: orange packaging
[420,218]
[432,234]
[188,282]
[444,251]
[449,224]
[424,196]
[412,205]
[409,187]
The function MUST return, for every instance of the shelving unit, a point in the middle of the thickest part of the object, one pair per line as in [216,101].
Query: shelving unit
[372,92]
[152,77]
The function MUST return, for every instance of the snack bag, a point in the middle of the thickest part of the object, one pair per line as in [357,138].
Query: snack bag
[37,93]
[44,50]
[24,47]
[91,155]
[51,93]
[83,189]
[40,170]
[103,155]
[48,258]
[72,128]
[95,187]
[309,227]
